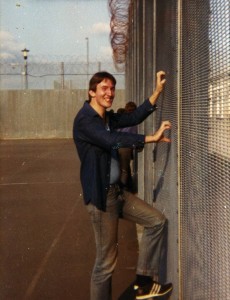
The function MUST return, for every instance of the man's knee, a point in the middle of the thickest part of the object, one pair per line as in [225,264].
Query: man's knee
[161,221]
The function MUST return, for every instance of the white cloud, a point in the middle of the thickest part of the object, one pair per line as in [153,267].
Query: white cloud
[4,55]
[106,50]
[105,54]
[9,46]
[101,28]
[5,35]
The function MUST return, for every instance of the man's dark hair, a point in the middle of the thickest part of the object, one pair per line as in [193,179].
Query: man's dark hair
[98,78]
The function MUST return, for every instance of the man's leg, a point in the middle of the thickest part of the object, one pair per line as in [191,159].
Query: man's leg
[105,225]
[154,222]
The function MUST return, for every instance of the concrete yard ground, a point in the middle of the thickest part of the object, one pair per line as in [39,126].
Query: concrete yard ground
[47,244]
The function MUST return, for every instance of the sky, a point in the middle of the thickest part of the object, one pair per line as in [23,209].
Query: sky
[55,28]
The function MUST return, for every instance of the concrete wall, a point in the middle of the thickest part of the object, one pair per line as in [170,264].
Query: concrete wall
[38,114]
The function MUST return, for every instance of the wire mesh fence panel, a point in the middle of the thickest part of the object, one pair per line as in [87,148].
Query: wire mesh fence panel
[203,123]
[204,151]
[193,149]
[192,175]
[165,162]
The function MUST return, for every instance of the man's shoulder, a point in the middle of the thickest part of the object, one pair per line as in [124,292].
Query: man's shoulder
[86,116]
[84,110]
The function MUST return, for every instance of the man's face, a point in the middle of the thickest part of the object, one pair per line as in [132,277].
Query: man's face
[104,94]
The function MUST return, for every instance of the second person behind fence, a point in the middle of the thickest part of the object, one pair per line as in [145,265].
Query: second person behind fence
[126,155]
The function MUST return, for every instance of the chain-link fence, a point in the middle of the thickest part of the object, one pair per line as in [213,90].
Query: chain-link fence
[49,74]
[189,180]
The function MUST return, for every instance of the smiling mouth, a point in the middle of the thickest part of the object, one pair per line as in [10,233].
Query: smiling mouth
[109,99]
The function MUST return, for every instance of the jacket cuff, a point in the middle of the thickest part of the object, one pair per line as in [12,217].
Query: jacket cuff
[151,107]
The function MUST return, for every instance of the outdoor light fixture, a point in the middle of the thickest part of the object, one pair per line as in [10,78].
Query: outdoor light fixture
[25,53]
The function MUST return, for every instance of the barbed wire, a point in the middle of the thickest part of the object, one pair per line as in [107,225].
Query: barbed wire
[119,24]
[48,74]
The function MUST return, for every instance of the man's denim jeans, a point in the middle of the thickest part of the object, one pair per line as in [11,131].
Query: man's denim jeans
[105,225]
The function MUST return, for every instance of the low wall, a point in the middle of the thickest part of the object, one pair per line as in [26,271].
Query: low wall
[31,114]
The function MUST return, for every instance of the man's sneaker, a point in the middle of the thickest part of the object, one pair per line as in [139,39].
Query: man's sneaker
[153,289]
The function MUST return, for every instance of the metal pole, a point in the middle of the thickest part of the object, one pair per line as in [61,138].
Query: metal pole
[87,58]
[62,76]
[26,74]
[179,118]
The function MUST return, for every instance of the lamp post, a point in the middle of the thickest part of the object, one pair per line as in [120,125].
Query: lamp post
[87,58]
[99,66]
[25,55]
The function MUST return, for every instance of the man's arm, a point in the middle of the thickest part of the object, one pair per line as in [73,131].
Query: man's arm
[158,136]
[160,83]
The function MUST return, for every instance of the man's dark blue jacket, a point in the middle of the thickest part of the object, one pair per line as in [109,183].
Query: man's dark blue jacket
[94,145]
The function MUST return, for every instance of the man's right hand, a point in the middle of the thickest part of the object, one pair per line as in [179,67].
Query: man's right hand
[158,136]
